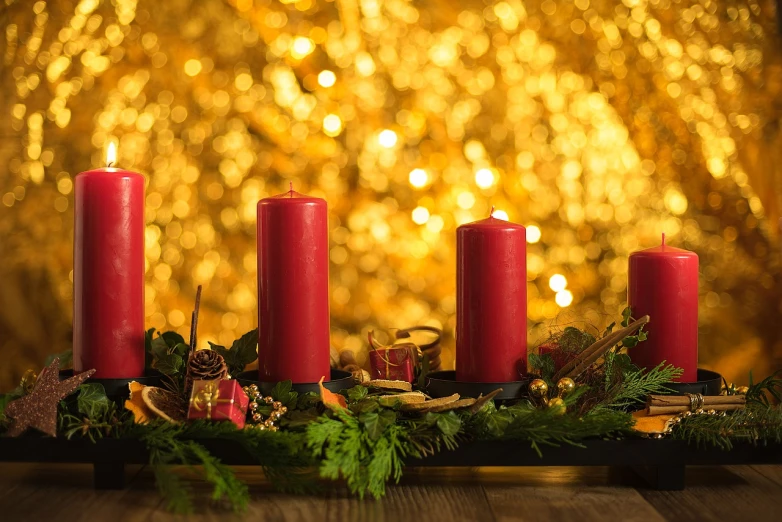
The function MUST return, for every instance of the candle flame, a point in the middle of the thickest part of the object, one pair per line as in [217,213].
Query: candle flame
[111,154]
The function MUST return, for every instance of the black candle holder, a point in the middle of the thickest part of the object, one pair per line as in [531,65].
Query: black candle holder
[708,383]
[340,380]
[117,389]
[444,383]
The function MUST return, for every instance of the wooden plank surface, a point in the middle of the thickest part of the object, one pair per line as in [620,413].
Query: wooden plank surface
[64,493]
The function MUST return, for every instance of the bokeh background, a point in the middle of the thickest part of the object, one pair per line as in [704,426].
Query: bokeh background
[597,124]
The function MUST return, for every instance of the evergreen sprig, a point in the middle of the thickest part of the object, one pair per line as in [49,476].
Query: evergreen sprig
[757,424]
[634,385]
[546,427]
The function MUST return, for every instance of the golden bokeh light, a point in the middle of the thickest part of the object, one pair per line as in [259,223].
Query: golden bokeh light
[557,282]
[599,124]
[418,178]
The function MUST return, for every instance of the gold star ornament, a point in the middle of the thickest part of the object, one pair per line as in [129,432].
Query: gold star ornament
[39,409]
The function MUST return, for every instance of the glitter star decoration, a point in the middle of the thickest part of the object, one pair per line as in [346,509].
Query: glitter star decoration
[39,409]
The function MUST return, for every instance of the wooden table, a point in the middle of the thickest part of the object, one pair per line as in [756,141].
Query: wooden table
[63,493]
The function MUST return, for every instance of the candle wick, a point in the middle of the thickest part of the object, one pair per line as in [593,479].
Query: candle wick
[291,188]
[109,164]
[663,239]
[491,212]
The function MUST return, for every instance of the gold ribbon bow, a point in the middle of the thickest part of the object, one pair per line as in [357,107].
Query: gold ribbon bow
[207,397]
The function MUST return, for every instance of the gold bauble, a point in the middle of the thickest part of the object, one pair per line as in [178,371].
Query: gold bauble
[557,405]
[565,386]
[742,390]
[538,389]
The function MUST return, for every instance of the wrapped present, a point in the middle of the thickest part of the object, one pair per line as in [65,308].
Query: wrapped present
[393,364]
[218,400]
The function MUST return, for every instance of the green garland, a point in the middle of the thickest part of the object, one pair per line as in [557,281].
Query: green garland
[367,443]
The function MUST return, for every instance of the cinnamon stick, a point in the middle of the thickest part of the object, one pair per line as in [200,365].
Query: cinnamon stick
[591,354]
[668,404]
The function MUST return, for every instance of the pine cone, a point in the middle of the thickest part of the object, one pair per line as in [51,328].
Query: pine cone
[205,365]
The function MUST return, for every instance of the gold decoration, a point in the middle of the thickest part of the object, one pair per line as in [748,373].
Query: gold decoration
[557,405]
[538,390]
[595,124]
[28,381]
[257,401]
[565,386]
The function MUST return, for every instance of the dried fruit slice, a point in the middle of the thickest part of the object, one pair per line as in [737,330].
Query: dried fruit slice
[330,399]
[166,404]
[141,413]
[390,385]
[455,405]
[404,398]
[425,406]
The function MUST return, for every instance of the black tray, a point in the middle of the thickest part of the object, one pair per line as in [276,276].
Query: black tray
[340,380]
[661,463]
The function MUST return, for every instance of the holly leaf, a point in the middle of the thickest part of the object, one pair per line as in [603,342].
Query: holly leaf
[92,399]
[449,423]
[66,359]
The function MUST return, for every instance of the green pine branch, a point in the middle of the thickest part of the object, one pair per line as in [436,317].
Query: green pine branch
[756,424]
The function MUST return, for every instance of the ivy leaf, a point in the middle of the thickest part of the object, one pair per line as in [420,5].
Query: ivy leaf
[66,359]
[449,423]
[609,328]
[92,399]
[283,392]
[169,363]
[356,393]
[246,348]
[575,340]
[243,351]
[626,316]
[172,338]
[180,349]
[148,357]
[376,423]
[366,406]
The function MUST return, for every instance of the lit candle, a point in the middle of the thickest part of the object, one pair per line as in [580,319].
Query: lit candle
[663,284]
[293,289]
[108,272]
[491,301]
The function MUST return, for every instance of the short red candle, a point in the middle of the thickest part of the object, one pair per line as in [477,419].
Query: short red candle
[663,284]
[491,301]
[293,289]
[108,273]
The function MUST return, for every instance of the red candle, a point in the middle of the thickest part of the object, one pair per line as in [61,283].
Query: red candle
[293,289]
[491,301]
[663,284]
[108,273]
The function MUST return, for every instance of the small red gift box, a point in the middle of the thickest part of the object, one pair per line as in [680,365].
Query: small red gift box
[393,364]
[218,400]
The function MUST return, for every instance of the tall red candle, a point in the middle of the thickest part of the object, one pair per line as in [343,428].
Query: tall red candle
[491,301]
[293,289]
[663,284]
[108,273]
